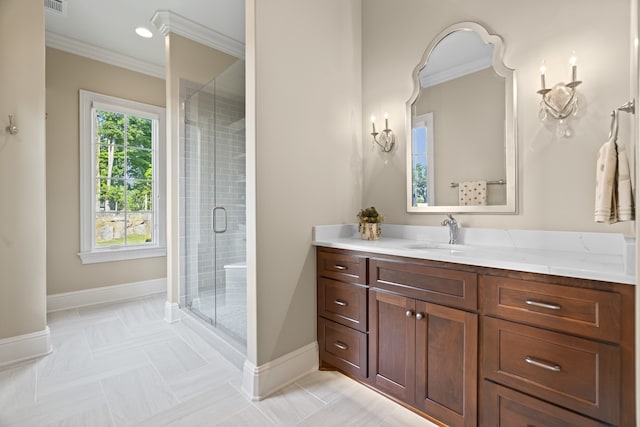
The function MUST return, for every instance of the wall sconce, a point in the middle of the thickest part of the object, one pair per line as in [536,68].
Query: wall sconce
[387,139]
[561,101]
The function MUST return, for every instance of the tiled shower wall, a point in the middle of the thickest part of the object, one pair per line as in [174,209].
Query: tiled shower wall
[213,175]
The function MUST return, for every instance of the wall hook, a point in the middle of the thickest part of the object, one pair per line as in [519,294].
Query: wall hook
[12,128]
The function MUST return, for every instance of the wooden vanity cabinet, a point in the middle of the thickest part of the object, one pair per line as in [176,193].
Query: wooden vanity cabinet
[476,346]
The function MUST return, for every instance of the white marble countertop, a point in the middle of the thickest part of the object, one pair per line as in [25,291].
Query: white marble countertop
[596,256]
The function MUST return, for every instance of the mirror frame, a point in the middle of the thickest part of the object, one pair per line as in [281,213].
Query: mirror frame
[510,131]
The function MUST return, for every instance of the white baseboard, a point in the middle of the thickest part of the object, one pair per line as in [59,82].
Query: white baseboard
[25,347]
[67,300]
[260,381]
[172,312]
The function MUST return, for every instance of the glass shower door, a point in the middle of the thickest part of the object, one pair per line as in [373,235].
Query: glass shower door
[214,241]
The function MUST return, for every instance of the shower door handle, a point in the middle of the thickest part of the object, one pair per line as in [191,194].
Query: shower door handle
[214,222]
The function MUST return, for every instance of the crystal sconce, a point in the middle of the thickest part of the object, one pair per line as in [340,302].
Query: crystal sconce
[561,101]
[387,139]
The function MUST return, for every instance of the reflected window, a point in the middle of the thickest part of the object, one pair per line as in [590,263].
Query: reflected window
[422,161]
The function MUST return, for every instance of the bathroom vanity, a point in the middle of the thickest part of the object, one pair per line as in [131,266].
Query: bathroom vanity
[485,335]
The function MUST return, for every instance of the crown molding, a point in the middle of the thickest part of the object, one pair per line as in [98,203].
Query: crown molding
[167,21]
[455,72]
[77,47]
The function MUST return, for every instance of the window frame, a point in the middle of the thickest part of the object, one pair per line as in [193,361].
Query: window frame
[89,252]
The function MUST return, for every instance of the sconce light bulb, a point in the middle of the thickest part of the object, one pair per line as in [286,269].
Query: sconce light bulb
[574,68]
[373,119]
[386,116]
[543,68]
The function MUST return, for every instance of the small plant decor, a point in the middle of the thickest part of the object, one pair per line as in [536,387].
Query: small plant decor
[370,223]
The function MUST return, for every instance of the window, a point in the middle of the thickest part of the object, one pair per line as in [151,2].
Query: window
[122,197]
[422,164]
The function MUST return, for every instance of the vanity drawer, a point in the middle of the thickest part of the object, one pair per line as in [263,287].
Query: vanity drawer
[576,373]
[342,266]
[504,407]
[444,286]
[586,312]
[342,347]
[343,303]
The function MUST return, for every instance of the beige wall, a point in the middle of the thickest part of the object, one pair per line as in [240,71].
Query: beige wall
[556,176]
[66,74]
[473,151]
[308,155]
[199,64]
[22,169]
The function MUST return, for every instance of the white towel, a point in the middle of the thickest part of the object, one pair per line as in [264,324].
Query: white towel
[472,193]
[614,200]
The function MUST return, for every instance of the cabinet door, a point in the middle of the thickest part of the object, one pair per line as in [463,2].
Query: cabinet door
[392,344]
[447,363]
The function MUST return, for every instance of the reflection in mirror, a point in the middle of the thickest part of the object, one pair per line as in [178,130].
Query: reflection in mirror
[462,151]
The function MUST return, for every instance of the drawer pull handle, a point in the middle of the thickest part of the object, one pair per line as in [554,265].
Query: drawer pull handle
[340,303]
[340,345]
[531,361]
[339,267]
[542,305]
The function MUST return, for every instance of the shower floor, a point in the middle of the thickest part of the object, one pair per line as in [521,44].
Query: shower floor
[227,309]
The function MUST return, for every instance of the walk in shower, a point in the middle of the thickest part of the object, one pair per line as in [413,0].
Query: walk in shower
[212,202]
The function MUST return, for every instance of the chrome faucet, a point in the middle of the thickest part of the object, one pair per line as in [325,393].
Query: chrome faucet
[453,228]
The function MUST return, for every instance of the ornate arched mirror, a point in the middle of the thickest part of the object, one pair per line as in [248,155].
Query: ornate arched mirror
[461,120]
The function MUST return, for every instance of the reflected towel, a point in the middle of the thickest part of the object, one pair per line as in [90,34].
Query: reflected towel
[625,195]
[472,193]
[614,200]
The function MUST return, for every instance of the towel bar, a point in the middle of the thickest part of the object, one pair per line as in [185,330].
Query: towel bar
[498,182]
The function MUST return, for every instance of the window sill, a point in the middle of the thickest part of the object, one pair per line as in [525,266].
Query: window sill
[111,255]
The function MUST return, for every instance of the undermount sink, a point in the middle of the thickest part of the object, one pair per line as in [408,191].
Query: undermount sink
[437,246]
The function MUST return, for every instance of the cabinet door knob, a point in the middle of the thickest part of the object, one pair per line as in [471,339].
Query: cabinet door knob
[409,313]
[419,316]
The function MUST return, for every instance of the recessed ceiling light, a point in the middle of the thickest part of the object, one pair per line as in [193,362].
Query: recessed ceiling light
[144,32]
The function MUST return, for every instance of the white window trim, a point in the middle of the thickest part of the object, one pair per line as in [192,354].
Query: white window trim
[426,120]
[88,253]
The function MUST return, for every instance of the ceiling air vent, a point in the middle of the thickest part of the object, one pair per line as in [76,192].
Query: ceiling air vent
[56,6]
